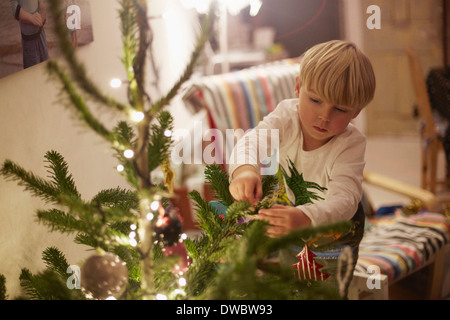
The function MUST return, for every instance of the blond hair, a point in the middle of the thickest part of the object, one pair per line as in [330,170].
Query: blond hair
[338,72]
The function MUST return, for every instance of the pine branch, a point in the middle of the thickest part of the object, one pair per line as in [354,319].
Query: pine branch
[117,198]
[59,174]
[58,220]
[124,136]
[237,211]
[159,143]
[129,31]
[47,285]
[144,40]
[300,187]
[205,35]
[207,216]
[269,183]
[199,277]
[131,257]
[239,276]
[56,261]
[36,185]
[217,180]
[3,295]
[78,69]
[78,102]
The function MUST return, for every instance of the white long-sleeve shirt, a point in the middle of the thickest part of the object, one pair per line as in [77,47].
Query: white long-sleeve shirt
[337,166]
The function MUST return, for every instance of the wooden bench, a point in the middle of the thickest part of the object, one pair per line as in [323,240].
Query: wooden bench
[369,282]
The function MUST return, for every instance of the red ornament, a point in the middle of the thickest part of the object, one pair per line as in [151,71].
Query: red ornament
[179,250]
[307,267]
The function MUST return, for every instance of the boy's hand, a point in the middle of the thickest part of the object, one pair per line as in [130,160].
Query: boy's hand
[283,219]
[246,185]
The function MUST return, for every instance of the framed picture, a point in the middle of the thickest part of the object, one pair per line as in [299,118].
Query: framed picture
[24,44]
[447,33]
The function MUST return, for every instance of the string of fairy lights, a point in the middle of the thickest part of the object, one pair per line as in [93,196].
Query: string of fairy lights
[153,208]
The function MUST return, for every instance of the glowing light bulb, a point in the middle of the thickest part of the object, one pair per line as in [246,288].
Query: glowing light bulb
[128,153]
[137,116]
[160,296]
[182,282]
[154,205]
[168,133]
[115,83]
[150,216]
[132,235]
[133,227]
[133,242]
[120,167]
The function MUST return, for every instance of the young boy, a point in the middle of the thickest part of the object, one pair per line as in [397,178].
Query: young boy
[336,81]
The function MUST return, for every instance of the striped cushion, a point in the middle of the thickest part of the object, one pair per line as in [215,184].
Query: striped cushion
[400,243]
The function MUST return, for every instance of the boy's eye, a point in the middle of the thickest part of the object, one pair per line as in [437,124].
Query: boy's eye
[340,109]
[314,100]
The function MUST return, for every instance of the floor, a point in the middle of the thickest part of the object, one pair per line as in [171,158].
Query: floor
[399,158]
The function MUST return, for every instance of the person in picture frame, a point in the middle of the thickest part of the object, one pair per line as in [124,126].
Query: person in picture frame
[32,16]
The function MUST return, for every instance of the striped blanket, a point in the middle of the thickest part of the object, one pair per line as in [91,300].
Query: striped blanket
[401,243]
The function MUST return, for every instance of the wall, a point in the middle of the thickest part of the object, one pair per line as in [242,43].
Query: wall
[414,23]
[32,121]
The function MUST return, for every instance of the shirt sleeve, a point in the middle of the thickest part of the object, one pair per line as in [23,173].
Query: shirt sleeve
[345,186]
[261,142]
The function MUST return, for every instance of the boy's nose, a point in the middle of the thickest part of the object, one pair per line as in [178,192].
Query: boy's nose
[325,116]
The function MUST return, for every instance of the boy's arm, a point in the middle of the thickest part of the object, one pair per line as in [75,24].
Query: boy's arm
[345,187]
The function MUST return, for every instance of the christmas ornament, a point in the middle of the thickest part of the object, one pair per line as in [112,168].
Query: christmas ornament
[307,267]
[169,174]
[168,226]
[178,249]
[104,275]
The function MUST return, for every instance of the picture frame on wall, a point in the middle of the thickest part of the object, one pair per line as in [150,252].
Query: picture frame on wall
[26,43]
[446,32]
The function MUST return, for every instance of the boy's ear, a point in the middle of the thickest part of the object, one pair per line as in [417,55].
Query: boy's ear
[297,87]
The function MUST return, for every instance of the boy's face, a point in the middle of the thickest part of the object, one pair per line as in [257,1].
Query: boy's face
[320,120]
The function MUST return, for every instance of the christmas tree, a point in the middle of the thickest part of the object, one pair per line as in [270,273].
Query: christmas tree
[141,251]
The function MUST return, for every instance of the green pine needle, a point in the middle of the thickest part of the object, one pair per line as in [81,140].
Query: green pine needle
[60,175]
[3,295]
[159,143]
[36,185]
[47,285]
[299,186]
[116,198]
[78,102]
[217,180]
[78,69]
[55,260]
[58,220]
